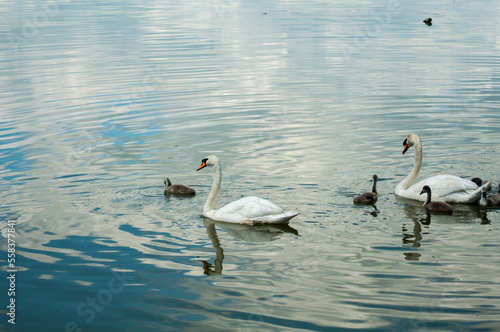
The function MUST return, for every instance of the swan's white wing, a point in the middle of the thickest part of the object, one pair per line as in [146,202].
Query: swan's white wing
[446,188]
[248,208]
[281,218]
[253,210]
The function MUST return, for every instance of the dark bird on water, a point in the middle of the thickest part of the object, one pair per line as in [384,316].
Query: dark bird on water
[439,207]
[368,197]
[493,200]
[177,189]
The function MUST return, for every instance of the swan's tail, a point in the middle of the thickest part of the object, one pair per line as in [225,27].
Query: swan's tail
[282,218]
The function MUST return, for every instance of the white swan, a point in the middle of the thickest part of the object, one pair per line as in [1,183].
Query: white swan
[445,187]
[247,210]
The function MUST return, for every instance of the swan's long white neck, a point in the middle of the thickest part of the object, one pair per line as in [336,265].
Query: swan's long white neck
[403,185]
[214,191]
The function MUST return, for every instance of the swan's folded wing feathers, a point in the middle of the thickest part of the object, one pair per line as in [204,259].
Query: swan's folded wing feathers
[444,185]
[281,218]
[248,208]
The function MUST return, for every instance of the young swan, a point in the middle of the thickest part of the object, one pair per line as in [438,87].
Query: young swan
[177,189]
[440,207]
[368,197]
[493,200]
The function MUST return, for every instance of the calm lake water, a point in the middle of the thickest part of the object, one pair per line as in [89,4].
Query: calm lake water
[303,102]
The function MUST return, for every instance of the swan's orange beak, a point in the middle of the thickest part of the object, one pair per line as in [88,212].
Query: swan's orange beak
[203,164]
[406,146]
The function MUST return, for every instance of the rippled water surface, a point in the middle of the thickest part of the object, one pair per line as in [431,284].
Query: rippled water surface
[303,102]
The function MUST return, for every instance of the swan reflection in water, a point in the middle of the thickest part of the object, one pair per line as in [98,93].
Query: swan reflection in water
[421,219]
[250,233]
[413,235]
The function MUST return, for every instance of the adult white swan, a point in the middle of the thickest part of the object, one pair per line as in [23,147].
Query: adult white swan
[247,210]
[445,187]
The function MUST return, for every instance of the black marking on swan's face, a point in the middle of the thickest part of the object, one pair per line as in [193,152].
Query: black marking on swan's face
[406,145]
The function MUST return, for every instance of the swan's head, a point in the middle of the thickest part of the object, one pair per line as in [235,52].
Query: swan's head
[410,140]
[208,161]
[375,177]
[425,189]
